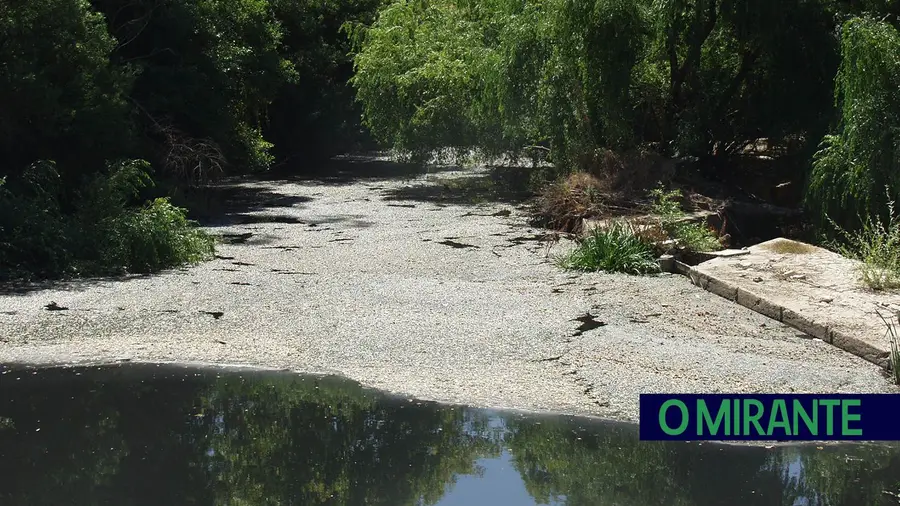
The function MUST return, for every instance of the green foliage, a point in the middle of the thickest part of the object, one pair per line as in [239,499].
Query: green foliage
[696,237]
[187,85]
[60,96]
[613,249]
[696,77]
[416,76]
[159,236]
[877,245]
[691,236]
[105,234]
[863,156]
[206,70]
[197,87]
[117,237]
[34,235]
[666,203]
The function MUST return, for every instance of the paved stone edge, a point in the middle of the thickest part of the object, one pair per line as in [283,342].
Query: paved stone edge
[750,300]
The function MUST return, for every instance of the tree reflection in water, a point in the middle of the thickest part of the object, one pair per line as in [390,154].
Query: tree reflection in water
[136,435]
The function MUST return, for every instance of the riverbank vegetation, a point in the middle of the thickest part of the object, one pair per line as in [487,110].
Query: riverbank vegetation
[109,106]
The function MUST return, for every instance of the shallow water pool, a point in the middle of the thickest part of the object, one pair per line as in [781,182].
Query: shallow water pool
[165,435]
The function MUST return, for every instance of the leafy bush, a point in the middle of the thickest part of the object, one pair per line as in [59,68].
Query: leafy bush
[613,249]
[158,236]
[116,235]
[105,234]
[33,235]
[696,237]
[666,204]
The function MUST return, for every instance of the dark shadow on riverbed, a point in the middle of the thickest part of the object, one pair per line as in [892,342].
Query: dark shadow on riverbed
[238,202]
[509,185]
[349,169]
[242,201]
[14,288]
[252,219]
[167,435]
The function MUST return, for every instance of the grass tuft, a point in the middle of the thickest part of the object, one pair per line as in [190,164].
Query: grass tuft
[894,338]
[613,249]
[877,245]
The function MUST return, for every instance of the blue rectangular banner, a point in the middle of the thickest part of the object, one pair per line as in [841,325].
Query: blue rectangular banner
[770,417]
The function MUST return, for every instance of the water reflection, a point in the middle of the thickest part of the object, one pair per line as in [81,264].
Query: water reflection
[142,435]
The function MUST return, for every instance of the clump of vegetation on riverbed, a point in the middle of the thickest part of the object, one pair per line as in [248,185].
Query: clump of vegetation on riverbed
[631,245]
[616,248]
[565,203]
[690,236]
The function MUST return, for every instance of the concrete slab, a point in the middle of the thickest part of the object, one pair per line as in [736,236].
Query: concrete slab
[808,288]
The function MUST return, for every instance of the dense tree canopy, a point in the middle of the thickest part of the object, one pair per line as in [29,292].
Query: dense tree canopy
[858,168]
[693,77]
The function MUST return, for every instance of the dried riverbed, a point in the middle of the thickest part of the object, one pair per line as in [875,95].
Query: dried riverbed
[430,285]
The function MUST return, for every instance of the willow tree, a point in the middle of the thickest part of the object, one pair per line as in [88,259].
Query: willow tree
[684,77]
[497,75]
[857,169]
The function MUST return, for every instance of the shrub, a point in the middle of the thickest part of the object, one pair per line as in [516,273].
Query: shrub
[117,236]
[564,203]
[877,245]
[33,235]
[108,232]
[691,236]
[158,236]
[696,237]
[613,249]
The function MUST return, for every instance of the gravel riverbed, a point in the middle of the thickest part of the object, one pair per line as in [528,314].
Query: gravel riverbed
[408,283]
